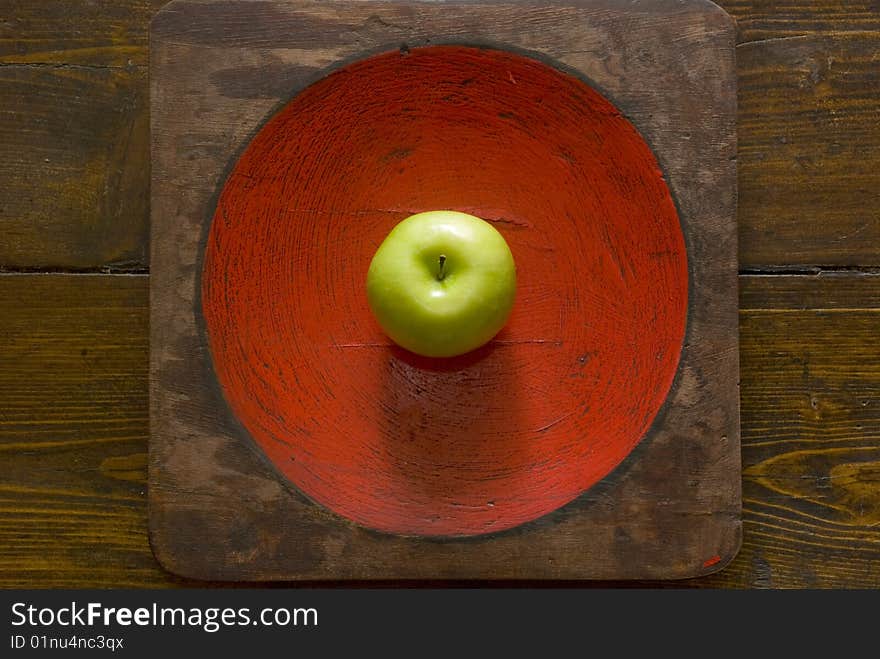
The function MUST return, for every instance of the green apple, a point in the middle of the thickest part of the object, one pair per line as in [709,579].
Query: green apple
[442,283]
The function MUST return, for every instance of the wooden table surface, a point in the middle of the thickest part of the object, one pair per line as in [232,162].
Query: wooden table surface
[74,278]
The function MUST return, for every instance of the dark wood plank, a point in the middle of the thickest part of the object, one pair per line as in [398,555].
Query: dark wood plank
[73,432]
[93,33]
[74,166]
[822,290]
[809,151]
[74,134]
[811,433]
[773,19]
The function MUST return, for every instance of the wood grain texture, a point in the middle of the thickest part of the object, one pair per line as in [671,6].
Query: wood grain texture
[681,484]
[809,95]
[811,433]
[74,166]
[809,151]
[73,428]
[838,290]
[97,33]
[74,134]
[73,433]
[759,20]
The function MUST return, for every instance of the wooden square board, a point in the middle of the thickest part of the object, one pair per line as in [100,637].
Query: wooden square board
[220,506]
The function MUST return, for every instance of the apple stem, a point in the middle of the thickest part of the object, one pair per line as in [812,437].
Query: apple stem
[442,272]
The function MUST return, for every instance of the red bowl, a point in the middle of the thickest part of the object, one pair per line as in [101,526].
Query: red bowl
[506,434]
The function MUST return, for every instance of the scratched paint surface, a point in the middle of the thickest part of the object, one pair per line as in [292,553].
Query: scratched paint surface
[495,438]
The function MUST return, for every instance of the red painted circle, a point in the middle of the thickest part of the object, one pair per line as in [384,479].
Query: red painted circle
[495,438]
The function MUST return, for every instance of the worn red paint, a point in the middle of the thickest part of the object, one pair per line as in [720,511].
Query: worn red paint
[495,438]
[712,561]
